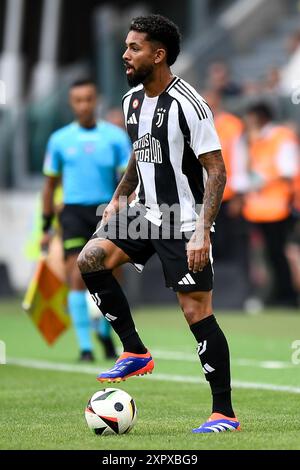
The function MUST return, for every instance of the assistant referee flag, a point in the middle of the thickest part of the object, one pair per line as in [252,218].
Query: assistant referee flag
[46,302]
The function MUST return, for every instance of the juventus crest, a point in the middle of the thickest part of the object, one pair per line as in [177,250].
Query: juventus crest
[160,117]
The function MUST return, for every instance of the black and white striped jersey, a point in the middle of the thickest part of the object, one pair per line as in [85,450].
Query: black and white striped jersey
[168,133]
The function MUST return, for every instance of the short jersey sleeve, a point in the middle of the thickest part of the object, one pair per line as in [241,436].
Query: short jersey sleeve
[199,118]
[204,137]
[53,160]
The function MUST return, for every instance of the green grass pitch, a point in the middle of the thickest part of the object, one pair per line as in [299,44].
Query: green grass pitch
[43,408]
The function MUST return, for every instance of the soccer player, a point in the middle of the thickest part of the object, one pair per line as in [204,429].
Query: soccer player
[177,163]
[88,155]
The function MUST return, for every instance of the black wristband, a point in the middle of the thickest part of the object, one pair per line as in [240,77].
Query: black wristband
[47,222]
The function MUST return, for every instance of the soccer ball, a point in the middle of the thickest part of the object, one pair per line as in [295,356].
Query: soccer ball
[111,411]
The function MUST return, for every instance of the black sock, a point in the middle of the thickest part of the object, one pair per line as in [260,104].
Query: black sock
[213,352]
[111,301]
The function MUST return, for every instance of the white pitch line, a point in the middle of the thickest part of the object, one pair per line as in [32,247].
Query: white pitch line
[186,357]
[263,364]
[59,367]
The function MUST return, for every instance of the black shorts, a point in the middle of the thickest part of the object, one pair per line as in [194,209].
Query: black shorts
[171,252]
[78,224]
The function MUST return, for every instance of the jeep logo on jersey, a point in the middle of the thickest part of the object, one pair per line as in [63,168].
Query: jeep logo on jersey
[148,149]
[160,117]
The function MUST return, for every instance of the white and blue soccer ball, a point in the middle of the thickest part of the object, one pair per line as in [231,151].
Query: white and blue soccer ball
[111,411]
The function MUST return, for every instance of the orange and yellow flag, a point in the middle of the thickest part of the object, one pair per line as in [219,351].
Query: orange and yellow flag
[46,302]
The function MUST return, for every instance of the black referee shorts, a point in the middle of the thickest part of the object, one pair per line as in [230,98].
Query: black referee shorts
[78,224]
[171,252]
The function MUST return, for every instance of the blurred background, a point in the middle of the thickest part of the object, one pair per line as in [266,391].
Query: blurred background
[243,57]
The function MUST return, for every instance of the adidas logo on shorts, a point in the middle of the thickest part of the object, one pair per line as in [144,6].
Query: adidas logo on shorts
[187,280]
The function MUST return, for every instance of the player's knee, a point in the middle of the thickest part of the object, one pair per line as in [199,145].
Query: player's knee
[192,314]
[91,258]
[194,309]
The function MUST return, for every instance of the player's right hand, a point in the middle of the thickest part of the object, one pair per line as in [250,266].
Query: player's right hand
[109,211]
[45,241]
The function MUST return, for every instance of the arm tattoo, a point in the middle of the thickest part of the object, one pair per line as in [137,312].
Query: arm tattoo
[214,165]
[129,181]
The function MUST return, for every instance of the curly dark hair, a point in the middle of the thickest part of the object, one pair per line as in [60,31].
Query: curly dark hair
[161,29]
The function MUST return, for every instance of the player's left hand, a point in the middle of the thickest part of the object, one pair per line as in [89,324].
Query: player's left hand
[198,250]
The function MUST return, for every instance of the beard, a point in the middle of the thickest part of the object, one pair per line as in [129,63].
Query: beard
[140,76]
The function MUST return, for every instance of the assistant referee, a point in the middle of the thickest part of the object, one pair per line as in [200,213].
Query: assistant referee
[88,156]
